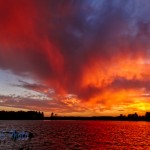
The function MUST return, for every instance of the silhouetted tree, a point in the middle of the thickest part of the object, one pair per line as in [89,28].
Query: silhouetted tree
[21,115]
[147,116]
[52,114]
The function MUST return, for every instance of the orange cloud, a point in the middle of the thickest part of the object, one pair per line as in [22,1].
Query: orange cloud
[74,48]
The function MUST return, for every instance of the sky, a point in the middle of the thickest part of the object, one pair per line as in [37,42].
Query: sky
[75,57]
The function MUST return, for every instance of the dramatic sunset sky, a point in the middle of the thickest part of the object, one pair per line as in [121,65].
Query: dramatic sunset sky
[75,57]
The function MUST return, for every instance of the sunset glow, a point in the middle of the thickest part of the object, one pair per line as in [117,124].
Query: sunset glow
[80,57]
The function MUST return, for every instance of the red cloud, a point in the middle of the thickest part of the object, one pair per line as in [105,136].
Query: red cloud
[73,47]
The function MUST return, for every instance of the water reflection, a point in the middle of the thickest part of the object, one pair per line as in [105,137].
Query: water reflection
[89,135]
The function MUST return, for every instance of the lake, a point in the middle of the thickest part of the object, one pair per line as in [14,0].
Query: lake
[79,135]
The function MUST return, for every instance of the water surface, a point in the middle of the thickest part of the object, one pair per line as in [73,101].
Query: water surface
[79,135]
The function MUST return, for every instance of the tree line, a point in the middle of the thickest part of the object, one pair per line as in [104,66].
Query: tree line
[21,115]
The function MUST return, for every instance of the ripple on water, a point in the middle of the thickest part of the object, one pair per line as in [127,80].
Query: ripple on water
[92,135]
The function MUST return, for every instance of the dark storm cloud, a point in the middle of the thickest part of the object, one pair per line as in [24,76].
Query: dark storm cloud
[36,87]
[55,40]
[122,83]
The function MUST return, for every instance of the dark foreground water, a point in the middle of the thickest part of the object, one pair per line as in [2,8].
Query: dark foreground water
[76,135]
